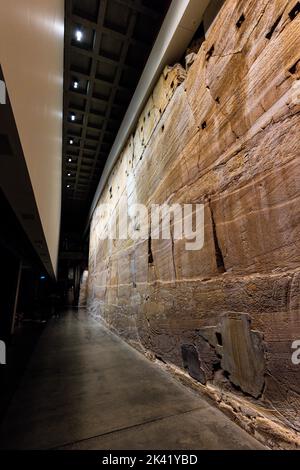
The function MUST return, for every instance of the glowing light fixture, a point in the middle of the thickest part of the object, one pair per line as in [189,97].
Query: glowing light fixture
[71,141]
[73,117]
[75,84]
[78,35]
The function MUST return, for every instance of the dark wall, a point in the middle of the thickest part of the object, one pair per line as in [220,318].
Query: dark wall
[16,250]
[8,281]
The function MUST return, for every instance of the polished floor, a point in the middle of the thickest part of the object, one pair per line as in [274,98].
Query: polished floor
[86,389]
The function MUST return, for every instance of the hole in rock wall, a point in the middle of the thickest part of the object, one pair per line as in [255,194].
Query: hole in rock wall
[218,252]
[150,254]
[294,68]
[219,339]
[210,52]
[240,21]
[271,32]
[295,11]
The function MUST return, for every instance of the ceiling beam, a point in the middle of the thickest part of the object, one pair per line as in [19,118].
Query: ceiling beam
[100,23]
[113,102]
[110,31]
[101,58]
[117,79]
[85,76]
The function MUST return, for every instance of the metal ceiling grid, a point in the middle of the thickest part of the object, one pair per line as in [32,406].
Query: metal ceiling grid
[117,38]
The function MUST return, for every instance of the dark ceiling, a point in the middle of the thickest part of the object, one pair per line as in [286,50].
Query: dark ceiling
[101,73]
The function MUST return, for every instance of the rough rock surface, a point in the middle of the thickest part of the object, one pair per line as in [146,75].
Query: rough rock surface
[226,134]
[83,289]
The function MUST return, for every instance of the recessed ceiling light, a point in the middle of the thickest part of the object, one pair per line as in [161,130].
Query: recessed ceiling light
[70,160]
[75,84]
[68,186]
[71,141]
[79,35]
[73,117]
[69,174]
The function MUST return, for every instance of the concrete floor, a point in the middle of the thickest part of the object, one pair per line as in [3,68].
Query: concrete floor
[87,389]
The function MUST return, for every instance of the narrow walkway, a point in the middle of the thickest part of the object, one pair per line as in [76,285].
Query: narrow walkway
[87,389]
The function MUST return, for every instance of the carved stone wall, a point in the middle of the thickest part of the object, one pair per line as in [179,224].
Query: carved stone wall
[83,289]
[224,133]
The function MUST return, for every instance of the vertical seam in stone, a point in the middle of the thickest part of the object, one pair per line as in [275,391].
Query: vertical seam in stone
[218,252]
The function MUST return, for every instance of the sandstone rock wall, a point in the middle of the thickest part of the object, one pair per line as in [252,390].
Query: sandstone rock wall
[225,133]
[83,289]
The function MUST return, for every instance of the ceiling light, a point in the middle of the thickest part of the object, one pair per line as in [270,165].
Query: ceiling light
[75,84]
[79,35]
[73,117]
[68,186]
[69,174]
[71,141]
[70,160]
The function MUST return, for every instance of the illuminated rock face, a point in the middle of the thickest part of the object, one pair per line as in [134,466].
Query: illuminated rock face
[83,289]
[226,134]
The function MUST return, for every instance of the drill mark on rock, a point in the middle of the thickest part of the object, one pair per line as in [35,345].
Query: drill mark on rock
[218,251]
[173,255]
[240,21]
[210,53]
[271,32]
[294,68]
[150,254]
[219,338]
[295,11]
